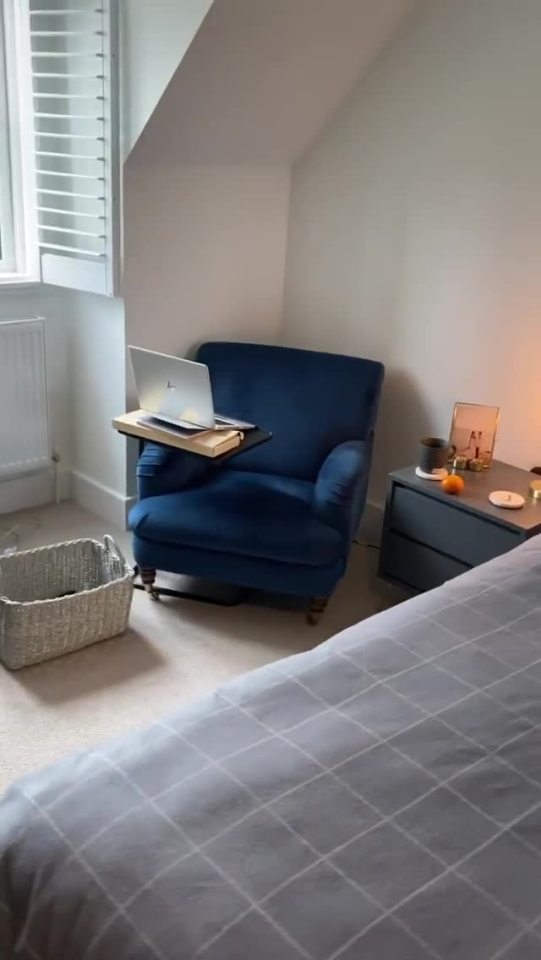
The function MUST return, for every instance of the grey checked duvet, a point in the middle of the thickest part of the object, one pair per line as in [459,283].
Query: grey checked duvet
[376,799]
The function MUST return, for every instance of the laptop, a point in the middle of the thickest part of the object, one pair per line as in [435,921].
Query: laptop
[177,391]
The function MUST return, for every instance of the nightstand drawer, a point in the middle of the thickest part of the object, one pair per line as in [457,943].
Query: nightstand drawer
[418,566]
[447,528]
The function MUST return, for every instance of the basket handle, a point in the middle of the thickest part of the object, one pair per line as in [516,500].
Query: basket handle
[112,546]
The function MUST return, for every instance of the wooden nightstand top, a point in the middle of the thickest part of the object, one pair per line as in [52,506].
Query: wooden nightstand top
[474,499]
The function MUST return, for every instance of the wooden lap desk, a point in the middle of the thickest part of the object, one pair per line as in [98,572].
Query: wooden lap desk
[129,424]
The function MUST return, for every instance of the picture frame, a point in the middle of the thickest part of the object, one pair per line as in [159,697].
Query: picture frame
[473,431]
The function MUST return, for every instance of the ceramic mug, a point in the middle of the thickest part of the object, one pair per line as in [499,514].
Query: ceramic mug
[433,454]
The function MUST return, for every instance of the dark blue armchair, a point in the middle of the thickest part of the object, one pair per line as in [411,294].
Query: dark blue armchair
[282,515]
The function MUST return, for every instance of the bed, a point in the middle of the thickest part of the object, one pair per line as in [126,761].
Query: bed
[378,797]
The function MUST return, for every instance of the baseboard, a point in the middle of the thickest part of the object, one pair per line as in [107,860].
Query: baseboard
[371,527]
[99,499]
[33,490]
[22,493]
[64,484]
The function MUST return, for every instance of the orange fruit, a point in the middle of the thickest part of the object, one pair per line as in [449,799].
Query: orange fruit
[453,483]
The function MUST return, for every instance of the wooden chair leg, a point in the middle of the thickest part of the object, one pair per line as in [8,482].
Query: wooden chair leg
[317,607]
[148,576]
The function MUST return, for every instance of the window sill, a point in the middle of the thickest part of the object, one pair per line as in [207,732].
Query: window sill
[18,282]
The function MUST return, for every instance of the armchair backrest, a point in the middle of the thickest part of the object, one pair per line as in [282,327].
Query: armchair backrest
[310,401]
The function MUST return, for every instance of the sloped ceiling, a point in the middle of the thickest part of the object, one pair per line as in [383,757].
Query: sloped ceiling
[262,77]
[155,35]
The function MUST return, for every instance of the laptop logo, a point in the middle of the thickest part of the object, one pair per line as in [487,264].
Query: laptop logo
[171,386]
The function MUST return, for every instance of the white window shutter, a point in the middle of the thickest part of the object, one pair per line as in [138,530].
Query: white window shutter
[74,47]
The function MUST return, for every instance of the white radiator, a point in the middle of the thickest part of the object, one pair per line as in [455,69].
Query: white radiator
[24,428]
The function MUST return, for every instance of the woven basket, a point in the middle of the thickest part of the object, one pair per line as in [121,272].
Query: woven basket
[57,599]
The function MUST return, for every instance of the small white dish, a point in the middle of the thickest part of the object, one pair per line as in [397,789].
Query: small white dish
[506,499]
[440,474]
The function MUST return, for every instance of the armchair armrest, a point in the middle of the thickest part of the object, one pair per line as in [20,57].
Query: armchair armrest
[164,470]
[341,485]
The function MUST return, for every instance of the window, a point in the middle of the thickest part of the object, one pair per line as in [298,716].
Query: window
[7,258]
[18,253]
[7,255]
[64,76]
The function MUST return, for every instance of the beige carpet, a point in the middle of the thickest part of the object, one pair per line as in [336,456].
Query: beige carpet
[174,651]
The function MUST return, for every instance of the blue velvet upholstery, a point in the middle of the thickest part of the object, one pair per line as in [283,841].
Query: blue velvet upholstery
[282,515]
[253,514]
[311,402]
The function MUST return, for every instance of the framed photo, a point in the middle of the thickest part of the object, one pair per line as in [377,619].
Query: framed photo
[473,431]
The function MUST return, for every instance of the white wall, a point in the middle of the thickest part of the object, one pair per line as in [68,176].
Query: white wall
[95,337]
[204,253]
[206,187]
[415,231]
[155,37]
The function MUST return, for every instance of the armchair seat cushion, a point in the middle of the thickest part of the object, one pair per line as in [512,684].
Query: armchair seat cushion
[252,514]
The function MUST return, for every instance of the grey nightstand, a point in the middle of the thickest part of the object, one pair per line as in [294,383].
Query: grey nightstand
[430,536]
